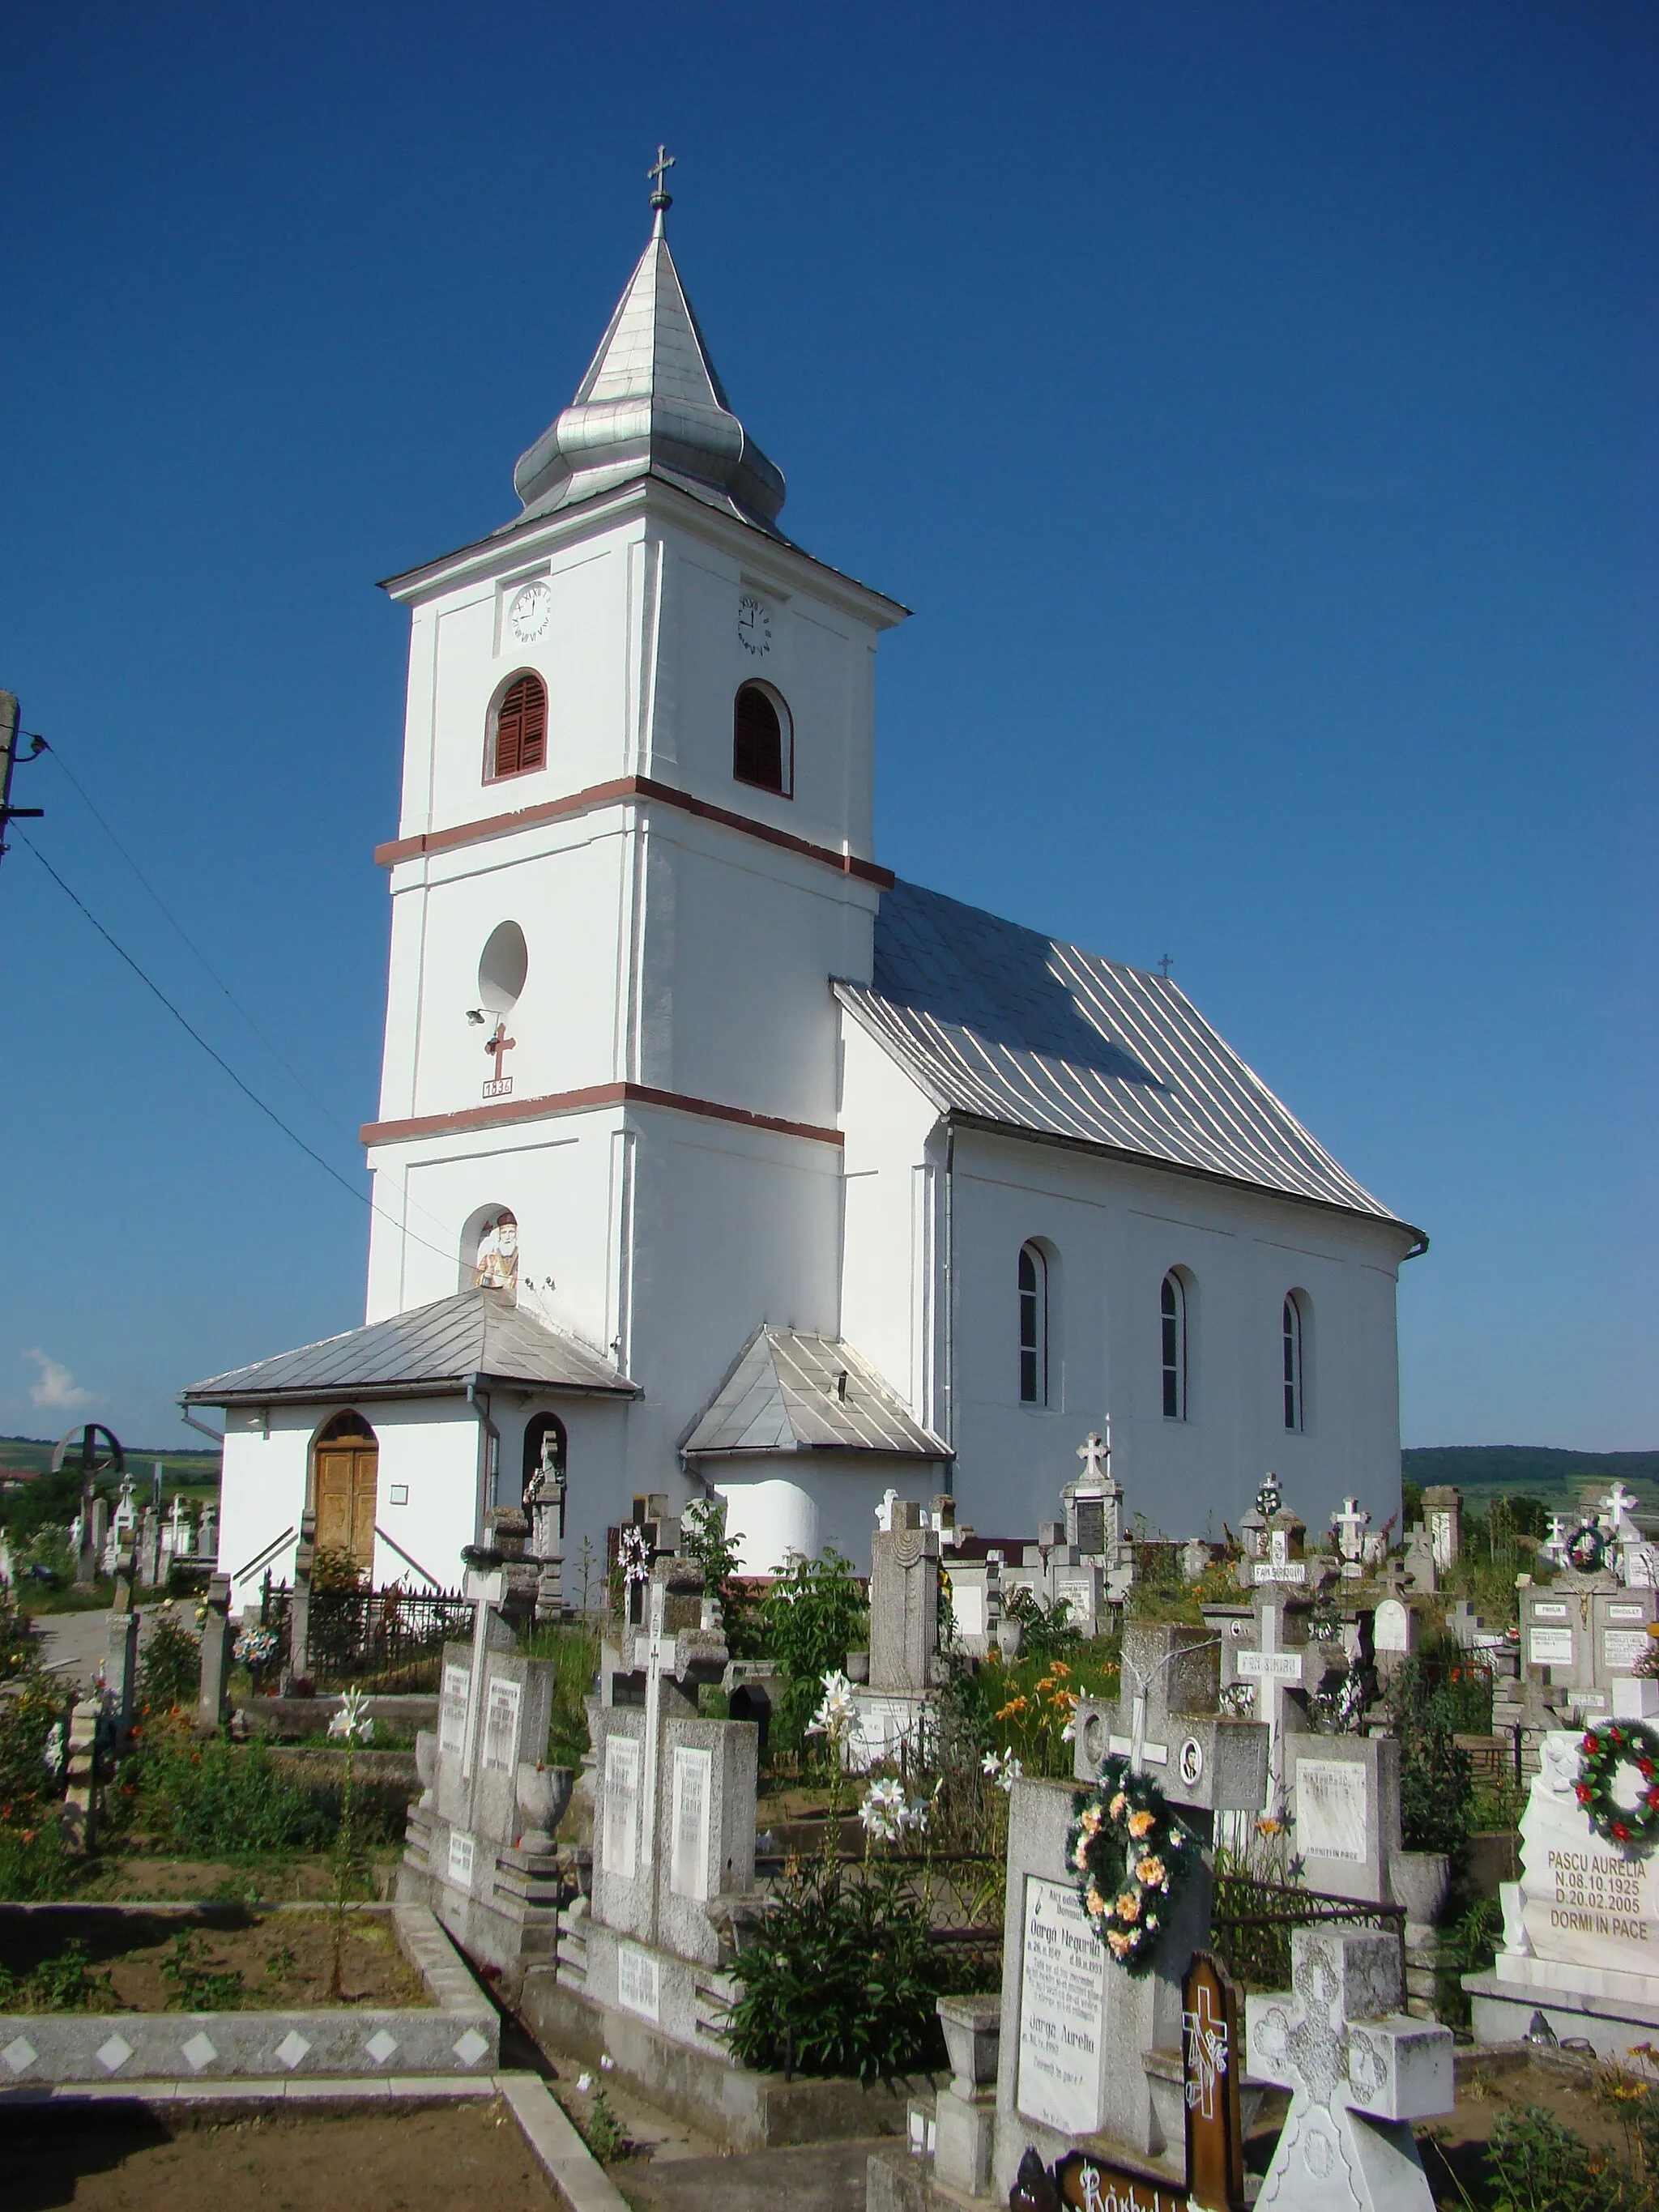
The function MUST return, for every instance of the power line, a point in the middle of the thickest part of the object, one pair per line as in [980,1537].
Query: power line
[42,743]
[218,1059]
[327,1112]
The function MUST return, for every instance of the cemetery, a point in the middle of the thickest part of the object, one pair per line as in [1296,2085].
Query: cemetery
[1193,1870]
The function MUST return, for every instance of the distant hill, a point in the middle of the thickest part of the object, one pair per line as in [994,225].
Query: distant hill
[1538,1469]
[33,1454]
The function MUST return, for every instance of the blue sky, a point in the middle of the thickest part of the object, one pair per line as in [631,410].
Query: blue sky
[1253,401]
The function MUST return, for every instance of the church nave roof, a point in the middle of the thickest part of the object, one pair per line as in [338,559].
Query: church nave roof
[999,1023]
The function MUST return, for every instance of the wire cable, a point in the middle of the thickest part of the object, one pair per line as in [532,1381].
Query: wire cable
[47,746]
[178,928]
[218,1059]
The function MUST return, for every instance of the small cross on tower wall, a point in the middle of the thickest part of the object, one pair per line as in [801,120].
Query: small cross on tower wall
[498,1086]
[1359,2072]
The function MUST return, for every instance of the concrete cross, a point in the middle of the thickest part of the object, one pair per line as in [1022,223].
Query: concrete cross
[1617,1504]
[1358,2072]
[661,1656]
[488,1593]
[1096,1453]
[1275,1669]
[1350,1525]
[1150,1691]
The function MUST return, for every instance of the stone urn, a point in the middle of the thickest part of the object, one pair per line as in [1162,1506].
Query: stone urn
[1011,1634]
[543,1793]
[426,1761]
[973,2035]
[857,1666]
[1421,1882]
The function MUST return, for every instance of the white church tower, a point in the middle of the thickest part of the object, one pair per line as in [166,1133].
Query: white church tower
[708,1157]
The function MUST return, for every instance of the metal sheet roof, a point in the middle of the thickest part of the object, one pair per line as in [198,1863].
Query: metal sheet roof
[1013,1028]
[420,1352]
[792,1391]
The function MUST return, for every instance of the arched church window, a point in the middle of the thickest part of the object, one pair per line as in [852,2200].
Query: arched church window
[763,740]
[1173,1317]
[1296,1410]
[518,730]
[1033,1325]
[497,1265]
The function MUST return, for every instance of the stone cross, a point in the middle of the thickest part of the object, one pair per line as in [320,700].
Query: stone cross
[904,1574]
[884,1511]
[1096,1453]
[661,1656]
[1350,1525]
[1617,1504]
[1274,1668]
[488,1593]
[1358,2072]
[1203,1762]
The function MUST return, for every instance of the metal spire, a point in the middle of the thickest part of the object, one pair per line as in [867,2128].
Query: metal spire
[661,199]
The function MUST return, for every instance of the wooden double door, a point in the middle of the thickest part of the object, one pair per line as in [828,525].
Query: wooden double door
[347,1492]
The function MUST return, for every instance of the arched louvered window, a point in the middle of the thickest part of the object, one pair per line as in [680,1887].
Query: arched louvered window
[1296,1410]
[1033,1325]
[1173,1318]
[518,736]
[762,739]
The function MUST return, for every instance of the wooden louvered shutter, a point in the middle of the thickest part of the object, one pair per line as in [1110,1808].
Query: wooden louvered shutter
[756,740]
[521,727]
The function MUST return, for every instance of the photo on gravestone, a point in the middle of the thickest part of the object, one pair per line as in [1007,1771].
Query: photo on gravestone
[1063,2004]
[692,1791]
[622,1807]
[460,1858]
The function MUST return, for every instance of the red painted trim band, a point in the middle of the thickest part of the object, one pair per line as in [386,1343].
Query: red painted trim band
[580,1102]
[613,794]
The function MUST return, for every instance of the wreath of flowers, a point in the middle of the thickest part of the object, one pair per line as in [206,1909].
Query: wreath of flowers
[1130,1854]
[1586,1548]
[1601,1754]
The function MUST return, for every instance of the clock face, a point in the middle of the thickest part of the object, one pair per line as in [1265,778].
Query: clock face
[754,625]
[529,611]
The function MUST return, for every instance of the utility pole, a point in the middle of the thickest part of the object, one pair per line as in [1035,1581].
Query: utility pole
[10,713]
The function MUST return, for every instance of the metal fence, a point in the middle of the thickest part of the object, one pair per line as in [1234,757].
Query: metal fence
[1252,1920]
[388,1640]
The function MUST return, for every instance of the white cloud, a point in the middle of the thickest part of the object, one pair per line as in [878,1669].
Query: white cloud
[57,1391]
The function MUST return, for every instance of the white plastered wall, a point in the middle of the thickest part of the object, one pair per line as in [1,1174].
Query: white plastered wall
[786,1503]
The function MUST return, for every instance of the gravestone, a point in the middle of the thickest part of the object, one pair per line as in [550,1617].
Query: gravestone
[977,1591]
[1581,1926]
[673,1836]
[95,1539]
[1443,1516]
[478,1847]
[1086,2045]
[1359,2072]
[207,1540]
[1346,1790]
[894,1708]
[1420,1573]
[1394,1632]
[1277,1664]
[1585,1633]
[213,1702]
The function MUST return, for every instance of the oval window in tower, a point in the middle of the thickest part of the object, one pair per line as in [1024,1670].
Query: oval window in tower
[502,971]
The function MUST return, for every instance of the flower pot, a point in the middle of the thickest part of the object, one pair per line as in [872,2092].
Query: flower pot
[857,1666]
[973,2034]
[1011,1634]
[543,1793]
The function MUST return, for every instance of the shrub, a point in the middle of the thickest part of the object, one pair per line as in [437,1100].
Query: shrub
[221,1801]
[170,1672]
[813,1615]
[1436,1781]
[1049,1630]
[704,1540]
[1537,2165]
[840,1978]
[32,1712]
[67,1983]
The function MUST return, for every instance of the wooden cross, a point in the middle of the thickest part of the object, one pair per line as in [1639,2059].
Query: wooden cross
[1209,2040]
[657,172]
[500,1043]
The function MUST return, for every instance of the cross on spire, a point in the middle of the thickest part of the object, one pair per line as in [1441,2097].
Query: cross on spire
[657,173]
[1165,965]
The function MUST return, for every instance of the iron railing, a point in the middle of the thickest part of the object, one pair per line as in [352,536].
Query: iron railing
[1251,1922]
[389,1640]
